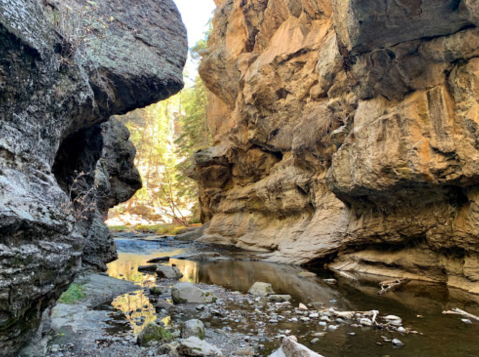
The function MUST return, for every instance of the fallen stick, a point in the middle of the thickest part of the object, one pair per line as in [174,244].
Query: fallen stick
[344,274]
[463,313]
[390,285]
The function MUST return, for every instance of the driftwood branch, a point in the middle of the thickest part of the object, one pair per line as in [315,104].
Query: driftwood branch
[344,274]
[390,285]
[463,313]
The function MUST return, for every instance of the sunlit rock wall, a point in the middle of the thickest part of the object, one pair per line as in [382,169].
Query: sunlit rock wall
[64,69]
[347,131]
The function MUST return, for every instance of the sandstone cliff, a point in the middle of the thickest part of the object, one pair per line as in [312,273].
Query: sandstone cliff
[346,131]
[65,67]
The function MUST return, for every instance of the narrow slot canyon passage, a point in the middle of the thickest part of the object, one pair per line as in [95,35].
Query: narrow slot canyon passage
[273,178]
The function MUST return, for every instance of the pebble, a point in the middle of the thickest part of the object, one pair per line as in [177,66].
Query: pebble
[314,315]
[315,340]
[325,318]
[332,328]
[401,330]
[397,343]
[466,321]
[323,323]
[302,306]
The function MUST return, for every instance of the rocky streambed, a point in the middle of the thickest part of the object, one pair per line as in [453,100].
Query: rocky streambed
[194,291]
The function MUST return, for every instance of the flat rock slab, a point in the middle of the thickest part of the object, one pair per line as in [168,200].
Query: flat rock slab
[194,347]
[149,268]
[168,272]
[189,293]
[100,289]
[159,259]
[280,298]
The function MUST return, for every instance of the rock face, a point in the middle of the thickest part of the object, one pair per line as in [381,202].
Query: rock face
[346,130]
[64,69]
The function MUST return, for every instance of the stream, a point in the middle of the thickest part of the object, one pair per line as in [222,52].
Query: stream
[419,304]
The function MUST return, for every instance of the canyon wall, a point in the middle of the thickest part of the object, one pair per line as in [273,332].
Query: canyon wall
[65,68]
[346,131]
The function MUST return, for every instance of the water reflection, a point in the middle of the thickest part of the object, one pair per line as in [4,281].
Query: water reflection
[240,275]
[136,306]
[442,335]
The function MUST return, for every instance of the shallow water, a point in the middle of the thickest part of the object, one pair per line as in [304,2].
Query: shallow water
[442,335]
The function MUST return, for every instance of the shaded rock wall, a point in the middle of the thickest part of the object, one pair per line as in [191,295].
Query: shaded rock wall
[346,131]
[61,75]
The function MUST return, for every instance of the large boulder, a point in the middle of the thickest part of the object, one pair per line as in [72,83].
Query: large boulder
[59,81]
[261,289]
[189,293]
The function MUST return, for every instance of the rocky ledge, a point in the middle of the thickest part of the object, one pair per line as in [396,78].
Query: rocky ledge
[65,68]
[346,131]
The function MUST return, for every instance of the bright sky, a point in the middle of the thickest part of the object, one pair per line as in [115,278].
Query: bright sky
[195,15]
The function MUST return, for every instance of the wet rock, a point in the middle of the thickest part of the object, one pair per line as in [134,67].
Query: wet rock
[397,343]
[194,328]
[466,321]
[194,347]
[147,268]
[168,272]
[156,290]
[392,318]
[261,289]
[280,298]
[159,259]
[152,335]
[189,293]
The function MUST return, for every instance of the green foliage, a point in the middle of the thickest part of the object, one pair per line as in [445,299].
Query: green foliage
[74,293]
[118,228]
[161,229]
[166,135]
